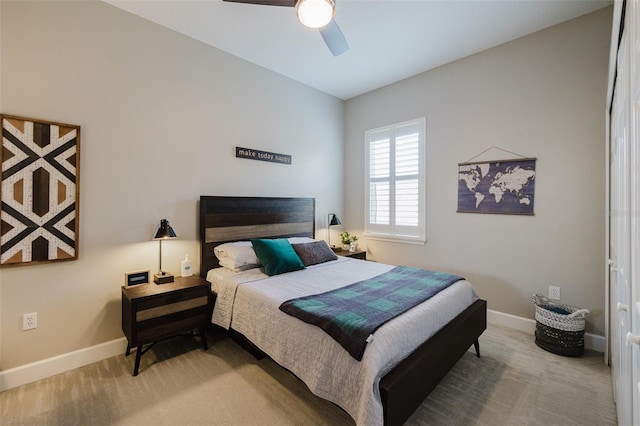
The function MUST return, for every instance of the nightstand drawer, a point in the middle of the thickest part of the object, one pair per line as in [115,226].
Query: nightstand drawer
[159,328]
[170,298]
[170,307]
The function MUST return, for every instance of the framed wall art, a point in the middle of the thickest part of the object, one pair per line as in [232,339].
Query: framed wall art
[39,198]
[503,187]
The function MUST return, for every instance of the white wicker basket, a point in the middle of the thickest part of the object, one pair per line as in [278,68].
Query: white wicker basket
[559,327]
[574,321]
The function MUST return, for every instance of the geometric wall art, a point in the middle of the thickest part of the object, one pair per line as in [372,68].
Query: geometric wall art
[39,192]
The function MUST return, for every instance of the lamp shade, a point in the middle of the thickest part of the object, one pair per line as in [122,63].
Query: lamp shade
[315,13]
[165,231]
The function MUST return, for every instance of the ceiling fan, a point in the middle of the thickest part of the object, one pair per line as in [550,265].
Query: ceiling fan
[313,14]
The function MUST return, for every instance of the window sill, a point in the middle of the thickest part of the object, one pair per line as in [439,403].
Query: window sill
[396,239]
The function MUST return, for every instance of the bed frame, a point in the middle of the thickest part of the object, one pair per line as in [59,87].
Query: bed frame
[403,389]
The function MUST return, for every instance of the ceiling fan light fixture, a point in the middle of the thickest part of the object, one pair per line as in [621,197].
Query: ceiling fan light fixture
[315,13]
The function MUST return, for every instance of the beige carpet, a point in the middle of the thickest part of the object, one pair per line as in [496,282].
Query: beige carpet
[514,383]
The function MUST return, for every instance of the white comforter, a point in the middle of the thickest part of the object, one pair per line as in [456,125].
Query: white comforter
[248,302]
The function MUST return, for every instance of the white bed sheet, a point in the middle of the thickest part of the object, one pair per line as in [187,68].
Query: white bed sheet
[215,276]
[248,302]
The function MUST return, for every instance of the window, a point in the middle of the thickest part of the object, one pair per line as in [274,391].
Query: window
[395,206]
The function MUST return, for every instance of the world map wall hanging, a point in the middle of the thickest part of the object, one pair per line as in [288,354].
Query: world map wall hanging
[503,187]
[39,202]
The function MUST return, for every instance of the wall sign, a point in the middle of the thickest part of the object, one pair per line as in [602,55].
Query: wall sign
[254,154]
[40,188]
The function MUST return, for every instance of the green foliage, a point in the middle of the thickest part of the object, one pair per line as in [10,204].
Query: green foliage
[347,238]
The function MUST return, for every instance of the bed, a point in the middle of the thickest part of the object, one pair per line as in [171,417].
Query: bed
[385,387]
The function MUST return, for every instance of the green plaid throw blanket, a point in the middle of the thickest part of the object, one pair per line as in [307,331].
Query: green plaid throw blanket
[351,314]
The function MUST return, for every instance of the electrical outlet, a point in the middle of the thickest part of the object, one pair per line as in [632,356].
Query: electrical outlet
[554,292]
[30,321]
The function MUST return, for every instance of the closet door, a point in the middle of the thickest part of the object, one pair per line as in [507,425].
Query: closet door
[624,206]
[620,240]
[633,338]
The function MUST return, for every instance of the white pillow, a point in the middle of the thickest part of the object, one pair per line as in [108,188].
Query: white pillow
[238,255]
[300,240]
[228,264]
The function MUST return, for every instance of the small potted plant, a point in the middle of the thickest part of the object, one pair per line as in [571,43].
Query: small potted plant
[348,241]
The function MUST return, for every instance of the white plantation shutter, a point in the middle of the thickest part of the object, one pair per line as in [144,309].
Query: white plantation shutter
[379,178]
[395,159]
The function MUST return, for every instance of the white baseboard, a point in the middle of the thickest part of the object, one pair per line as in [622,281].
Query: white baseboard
[28,373]
[591,341]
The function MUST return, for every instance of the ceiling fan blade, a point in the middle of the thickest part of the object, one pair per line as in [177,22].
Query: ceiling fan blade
[331,33]
[288,3]
[333,37]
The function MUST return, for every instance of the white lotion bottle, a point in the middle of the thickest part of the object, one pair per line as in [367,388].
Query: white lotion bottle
[186,266]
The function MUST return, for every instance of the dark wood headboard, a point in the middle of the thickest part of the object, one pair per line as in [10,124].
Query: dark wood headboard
[226,219]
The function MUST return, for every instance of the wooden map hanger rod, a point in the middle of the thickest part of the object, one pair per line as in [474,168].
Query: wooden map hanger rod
[523,157]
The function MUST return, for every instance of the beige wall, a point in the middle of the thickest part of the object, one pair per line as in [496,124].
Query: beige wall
[161,115]
[540,96]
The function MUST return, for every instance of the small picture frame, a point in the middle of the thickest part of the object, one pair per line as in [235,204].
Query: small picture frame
[132,279]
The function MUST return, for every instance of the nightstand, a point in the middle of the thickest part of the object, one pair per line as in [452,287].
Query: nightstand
[358,254]
[153,312]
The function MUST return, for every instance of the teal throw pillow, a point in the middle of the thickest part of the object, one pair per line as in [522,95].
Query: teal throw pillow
[277,255]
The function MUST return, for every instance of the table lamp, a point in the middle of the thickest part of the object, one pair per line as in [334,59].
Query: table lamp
[332,221]
[165,232]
